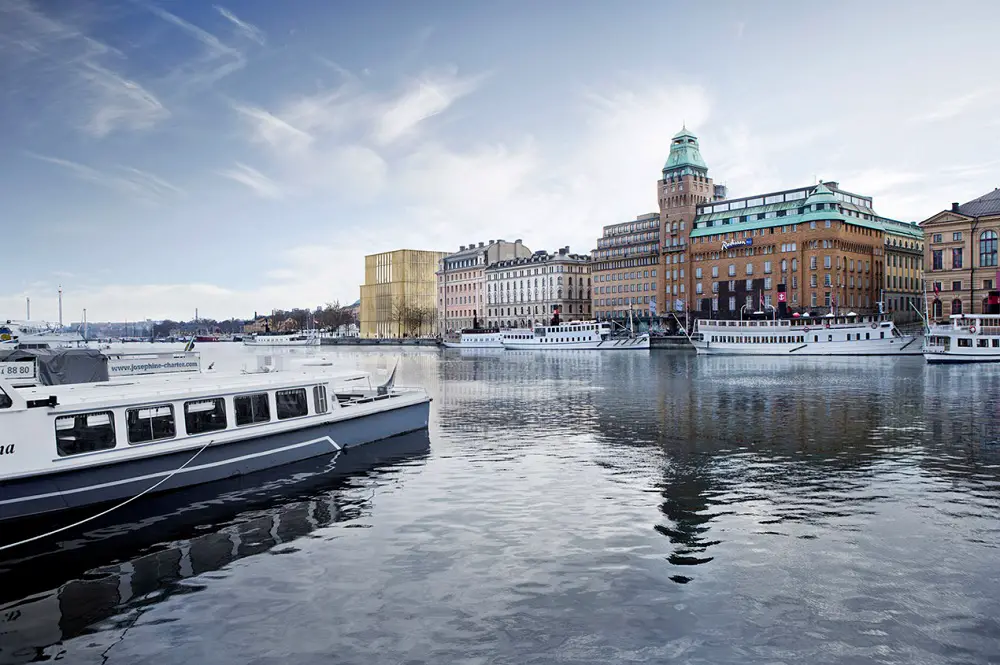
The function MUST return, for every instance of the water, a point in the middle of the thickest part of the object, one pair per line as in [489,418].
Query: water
[575,507]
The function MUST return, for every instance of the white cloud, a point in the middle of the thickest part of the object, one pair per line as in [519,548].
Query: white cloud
[948,107]
[216,61]
[55,55]
[255,180]
[248,30]
[427,97]
[140,185]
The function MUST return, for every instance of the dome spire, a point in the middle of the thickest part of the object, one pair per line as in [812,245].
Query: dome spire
[685,155]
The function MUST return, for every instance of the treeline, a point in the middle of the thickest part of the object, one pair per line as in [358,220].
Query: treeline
[412,320]
[330,316]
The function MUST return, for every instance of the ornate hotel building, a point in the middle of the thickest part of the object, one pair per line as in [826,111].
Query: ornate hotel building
[461,282]
[524,292]
[822,248]
[960,256]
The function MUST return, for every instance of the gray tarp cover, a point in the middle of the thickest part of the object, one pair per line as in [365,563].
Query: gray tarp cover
[61,366]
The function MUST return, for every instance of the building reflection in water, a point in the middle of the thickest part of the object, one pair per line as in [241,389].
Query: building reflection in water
[789,443]
[31,625]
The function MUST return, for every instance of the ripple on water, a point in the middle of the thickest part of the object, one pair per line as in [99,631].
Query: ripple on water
[583,508]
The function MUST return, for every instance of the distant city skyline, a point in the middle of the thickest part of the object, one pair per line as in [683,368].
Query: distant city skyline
[161,157]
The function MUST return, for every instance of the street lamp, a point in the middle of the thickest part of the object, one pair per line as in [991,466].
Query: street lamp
[741,311]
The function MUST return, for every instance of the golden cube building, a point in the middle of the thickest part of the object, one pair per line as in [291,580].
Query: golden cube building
[398,297]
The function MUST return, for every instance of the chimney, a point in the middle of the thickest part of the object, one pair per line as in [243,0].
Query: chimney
[517,242]
[492,241]
[832,184]
[481,244]
[954,206]
[461,248]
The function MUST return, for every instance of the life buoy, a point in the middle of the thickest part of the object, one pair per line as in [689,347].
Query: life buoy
[874,325]
[972,329]
[806,329]
[827,325]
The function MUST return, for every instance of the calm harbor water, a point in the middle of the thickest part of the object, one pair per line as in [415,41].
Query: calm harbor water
[570,507]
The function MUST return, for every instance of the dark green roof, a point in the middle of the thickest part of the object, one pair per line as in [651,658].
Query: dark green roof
[684,152]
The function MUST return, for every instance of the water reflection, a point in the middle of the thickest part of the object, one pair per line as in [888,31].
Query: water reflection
[179,538]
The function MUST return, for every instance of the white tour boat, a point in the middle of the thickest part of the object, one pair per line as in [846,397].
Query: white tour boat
[846,335]
[67,446]
[966,338]
[297,339]
[474,339]
[575,335]
[28,334]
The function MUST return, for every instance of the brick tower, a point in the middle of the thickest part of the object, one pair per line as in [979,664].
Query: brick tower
[685,184]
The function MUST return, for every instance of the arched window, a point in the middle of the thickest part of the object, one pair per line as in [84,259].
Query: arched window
[956,305]
[988,249]
[936,309]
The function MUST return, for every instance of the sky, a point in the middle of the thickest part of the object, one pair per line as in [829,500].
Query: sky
[162,156]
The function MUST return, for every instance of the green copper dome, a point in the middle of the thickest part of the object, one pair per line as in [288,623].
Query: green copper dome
[684,152]
[822,195]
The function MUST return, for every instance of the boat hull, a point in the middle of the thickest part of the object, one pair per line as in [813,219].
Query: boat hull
[473,345]
[114,482]
[952,357]
[903,346]
[623,344]
[305,342]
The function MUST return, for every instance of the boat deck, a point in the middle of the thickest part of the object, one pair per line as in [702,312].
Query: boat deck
[178,386]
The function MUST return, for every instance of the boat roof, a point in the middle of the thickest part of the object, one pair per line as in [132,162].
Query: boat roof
[169,387]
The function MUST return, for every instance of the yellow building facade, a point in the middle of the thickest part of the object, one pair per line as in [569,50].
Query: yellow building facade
[399,296]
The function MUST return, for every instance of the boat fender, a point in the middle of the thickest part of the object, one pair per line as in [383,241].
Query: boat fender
[972,329]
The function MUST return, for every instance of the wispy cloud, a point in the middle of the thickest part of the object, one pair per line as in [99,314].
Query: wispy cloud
[138,184]
[217,60]
[953,107]
[255,180]
[50,49]
[248,30]
[427,97]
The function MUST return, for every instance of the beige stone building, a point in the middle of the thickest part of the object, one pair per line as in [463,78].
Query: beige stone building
[904,265]
[960,256]
[398,296]
[527,291]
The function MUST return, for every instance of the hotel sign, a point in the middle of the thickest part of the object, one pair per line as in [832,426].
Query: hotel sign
[746,242]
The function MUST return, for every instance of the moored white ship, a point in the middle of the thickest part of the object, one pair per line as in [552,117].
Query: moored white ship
[575,335]
[298,339]
[966,338]
[847,335]
[68,446]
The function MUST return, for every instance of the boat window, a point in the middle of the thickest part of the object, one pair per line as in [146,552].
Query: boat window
[205,415]
[996,343]
[319,399]
[150,423]
[982,343]
[965,342]
[291,403]
[252,409]
[85,433]
[5,401]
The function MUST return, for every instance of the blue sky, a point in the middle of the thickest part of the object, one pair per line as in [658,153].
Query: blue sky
[162,156]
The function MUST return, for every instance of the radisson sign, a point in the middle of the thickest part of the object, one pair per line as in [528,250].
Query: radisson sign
[746,242]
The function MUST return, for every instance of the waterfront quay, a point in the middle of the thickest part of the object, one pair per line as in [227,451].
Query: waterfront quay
[569,508]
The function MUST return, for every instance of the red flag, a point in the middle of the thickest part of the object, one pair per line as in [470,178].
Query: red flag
[762,300]
[937,288]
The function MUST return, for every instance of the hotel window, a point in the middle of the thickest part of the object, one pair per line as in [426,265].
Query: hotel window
[827,263]
[813,299]
[767,267]
[812,262]
[956,285]
[697,273]
[987,284]
[749,285]
[795,264]
[732,270]
[767,282]
[749,268]
[732,303]
[988,249]
[826,280]
[698,288]
[826,299]
[936,237]
[812,281]
[956,258]
[956,236]
[715,287]
[937,259]
[795,282]
[784,266]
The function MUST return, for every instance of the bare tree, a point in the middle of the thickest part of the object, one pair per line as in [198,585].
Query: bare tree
[417,318]
[399,315]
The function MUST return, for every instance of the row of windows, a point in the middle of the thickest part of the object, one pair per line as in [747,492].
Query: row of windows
[624,288]
[90,432]
[619,276]
[987,253]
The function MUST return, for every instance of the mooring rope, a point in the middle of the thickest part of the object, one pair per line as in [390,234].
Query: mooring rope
[112,508]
